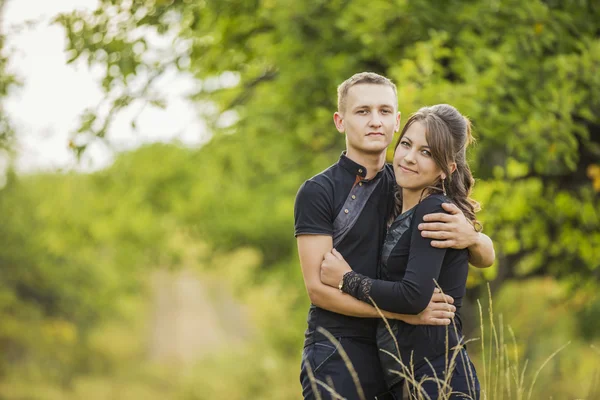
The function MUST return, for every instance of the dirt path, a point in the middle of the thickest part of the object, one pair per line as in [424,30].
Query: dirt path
[188,320]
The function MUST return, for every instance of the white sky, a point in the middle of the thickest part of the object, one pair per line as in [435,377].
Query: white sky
[47,107]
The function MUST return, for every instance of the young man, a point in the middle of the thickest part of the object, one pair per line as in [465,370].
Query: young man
[346,207]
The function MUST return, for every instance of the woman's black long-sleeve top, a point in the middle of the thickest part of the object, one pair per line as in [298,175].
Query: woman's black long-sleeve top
[410,266]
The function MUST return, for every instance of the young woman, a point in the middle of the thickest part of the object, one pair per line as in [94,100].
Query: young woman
[431,168]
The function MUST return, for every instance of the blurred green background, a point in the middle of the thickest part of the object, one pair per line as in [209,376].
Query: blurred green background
[173,273]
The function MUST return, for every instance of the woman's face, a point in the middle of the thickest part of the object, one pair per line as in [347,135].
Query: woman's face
[414,167]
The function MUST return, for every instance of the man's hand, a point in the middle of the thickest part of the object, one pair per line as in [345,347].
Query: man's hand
[333,268]
[449,230]
[440,311]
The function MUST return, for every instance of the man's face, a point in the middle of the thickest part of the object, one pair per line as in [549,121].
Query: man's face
[369,119]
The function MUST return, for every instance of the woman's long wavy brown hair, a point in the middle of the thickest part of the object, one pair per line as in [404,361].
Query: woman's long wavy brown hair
[448,135]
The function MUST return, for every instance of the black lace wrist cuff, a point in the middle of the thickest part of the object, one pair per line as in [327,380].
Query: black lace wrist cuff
[357,286]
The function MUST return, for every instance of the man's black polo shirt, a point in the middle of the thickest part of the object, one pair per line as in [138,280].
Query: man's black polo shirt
[318,202]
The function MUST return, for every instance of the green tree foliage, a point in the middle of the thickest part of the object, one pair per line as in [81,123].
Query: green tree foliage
[6,81]
[76,254]
[526,73]
[76,248]
[68,256]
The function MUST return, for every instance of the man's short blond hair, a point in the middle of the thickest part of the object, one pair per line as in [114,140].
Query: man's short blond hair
[356,79]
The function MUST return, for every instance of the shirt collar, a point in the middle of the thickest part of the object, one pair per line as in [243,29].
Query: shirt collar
[355,168]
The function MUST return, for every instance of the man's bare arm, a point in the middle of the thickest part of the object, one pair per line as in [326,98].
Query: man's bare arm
[481,253]
[312,248]
[453,230]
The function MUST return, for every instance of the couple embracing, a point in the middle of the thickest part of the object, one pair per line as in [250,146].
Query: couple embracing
[390,235]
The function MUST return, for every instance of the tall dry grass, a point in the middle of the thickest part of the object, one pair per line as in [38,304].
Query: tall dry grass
[502,376]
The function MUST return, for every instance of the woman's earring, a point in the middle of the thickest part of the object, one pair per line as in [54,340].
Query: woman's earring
[443,187]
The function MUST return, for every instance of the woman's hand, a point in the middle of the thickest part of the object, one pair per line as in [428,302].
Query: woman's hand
[333,268]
